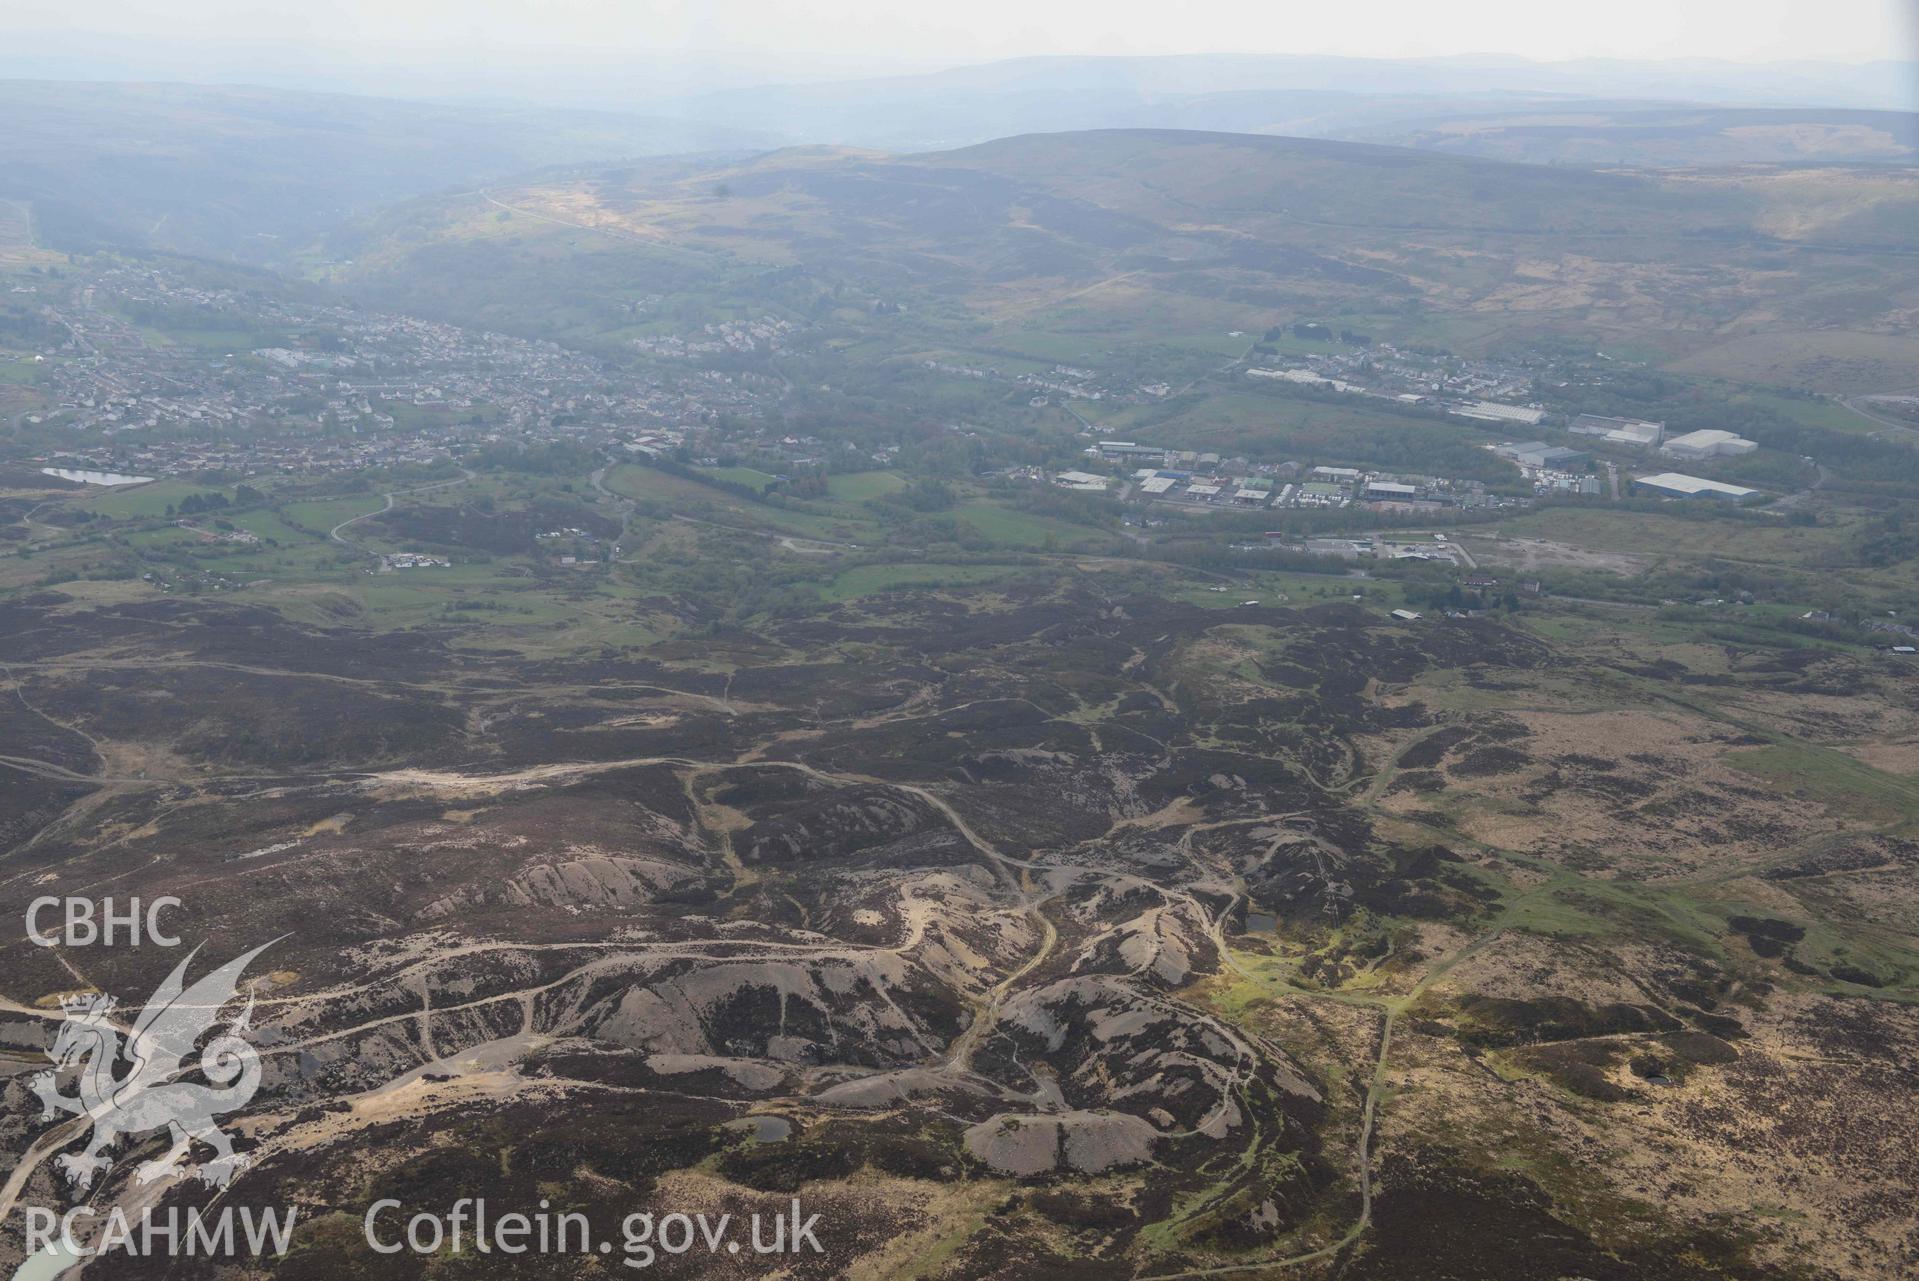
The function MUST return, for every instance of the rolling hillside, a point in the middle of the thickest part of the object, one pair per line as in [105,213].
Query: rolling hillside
[1146,232]
[255,174]
[1604,133]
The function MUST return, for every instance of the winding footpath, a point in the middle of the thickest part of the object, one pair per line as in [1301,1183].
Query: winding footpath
[387,506]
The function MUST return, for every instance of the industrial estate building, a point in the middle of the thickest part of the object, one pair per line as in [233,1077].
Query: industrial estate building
[1537,453]
[1493,411]
[1083,481]
[1124,449]
[1633,433]
[1672,484]
[1708,444]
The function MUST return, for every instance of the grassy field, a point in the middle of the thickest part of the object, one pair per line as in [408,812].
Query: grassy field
[1005,527]
[1824,360]
[690,497]
[1046,346]
[412,596]
[1245,417]
[1276,588]
[15,224]
[223,341]
[17,250]
[858,486]
[323,515]
[833,522]
[1827,414]
[19,369]
[136,501]
[1656,535]
[749,476]
[841,519]
[1833,779]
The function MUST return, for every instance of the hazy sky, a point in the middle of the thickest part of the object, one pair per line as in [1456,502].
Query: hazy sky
[872,31]
[421,47]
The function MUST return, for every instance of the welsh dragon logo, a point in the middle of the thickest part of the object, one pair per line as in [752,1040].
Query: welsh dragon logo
[131,1087]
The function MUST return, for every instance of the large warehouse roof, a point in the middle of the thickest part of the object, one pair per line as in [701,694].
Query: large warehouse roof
[1708,443]
[1673,482]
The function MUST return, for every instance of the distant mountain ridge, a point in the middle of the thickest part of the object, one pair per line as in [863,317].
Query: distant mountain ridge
[257,174]
[1116,229]
[1251,93]
[254,174]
